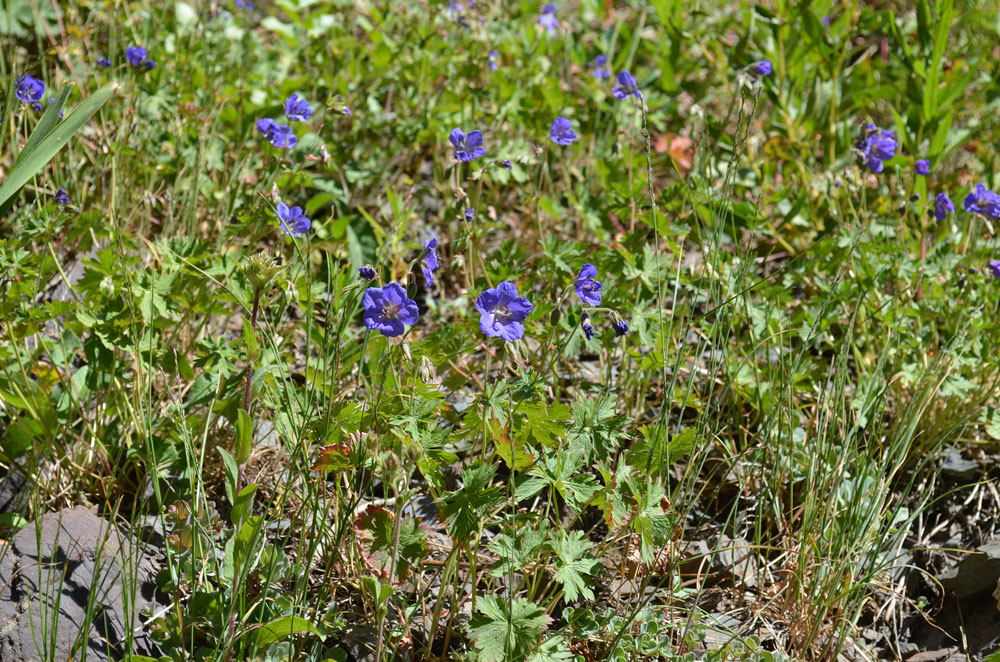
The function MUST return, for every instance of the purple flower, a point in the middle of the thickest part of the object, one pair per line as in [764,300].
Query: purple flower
[923,167]
[297,109]
[367,272]
[266,126]
[621,328]
[61,197]
[37,107]
[626,86]
[588,289]
[340,106]
[467,147]
[502,312]
[149,65]
[430,260]
[388,308]
[983,201]
[598,69]
[548,18]
[562,132]
[136,56]
[28,89]
[762,68]
[245,4]
[491,60]
[103,62]
[470,214]
[877,146]
[277,135]
[454,8]
[826,20]
[293,222]
[994,267]
[282,136]
[506,164]
[588,328]
[943,206]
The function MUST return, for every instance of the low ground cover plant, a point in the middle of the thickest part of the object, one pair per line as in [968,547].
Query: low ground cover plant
[504,331]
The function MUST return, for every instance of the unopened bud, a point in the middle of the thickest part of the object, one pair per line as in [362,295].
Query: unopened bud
[260,269]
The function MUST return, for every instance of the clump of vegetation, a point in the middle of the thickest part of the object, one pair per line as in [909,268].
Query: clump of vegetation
[498,331]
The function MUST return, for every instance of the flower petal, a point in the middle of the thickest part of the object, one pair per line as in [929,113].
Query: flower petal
[409,313]
[473,140]
[487,324]
[511,331]
[487,301]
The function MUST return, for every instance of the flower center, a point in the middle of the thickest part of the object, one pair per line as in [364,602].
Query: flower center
[390,311]
[501,315]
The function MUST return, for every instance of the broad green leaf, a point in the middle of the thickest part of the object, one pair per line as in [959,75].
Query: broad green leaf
[243,504]
[45,125]
[32,163]
[250,341]
[231,472]
[283,628]
[244,437]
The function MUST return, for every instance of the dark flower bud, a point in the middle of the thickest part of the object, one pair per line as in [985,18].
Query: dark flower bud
[587,327]
[367,272]
[621,328]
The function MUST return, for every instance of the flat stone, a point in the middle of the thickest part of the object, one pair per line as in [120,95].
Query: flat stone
[735,555]
[958,468]
[975,574]
[14,488]
[62,591]
[933,656]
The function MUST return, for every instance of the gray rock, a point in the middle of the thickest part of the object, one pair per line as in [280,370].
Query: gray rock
[975,574]
[736,555]
[14,488]
[957,468]
[360,643]
[63,590]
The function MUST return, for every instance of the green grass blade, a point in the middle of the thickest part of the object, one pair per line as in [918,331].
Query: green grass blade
[32,163]
[45,125]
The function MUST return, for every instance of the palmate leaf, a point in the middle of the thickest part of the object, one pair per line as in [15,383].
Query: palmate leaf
[596,428]
[553,649]
[506,631]
[559,470]
[653,523]
[516,552]
[463,508]
[575,565]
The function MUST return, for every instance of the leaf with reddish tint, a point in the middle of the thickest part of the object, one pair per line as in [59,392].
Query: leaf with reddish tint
[334,456]
[375,531]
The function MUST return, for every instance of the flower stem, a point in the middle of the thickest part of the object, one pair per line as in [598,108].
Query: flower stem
[239,468]
[246,390]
